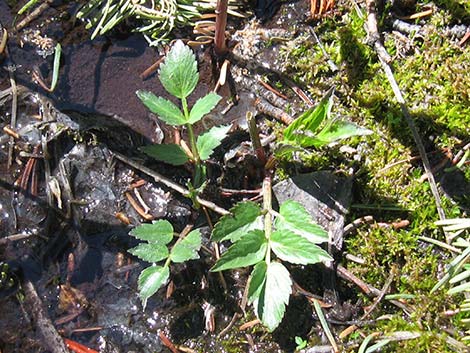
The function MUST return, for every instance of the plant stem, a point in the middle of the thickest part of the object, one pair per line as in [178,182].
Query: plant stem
[199,174]
[220,46]
[268,218]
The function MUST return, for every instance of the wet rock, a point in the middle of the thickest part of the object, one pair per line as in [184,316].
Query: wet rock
[324,195]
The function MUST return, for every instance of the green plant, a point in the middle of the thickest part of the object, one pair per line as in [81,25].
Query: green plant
[157,18]
[457,273]
[157,237]
[259,233]
[300,342]
[179,76]
[315,128]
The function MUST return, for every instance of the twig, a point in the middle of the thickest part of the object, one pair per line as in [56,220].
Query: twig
[3,41]
[33,15]
[330,62]
[369,290]
[263,106]
[46,329]
[382,293]
[220,47]
[151,69]
[14,111]
[15,237]
[384,59]
[167,342]
[235,317]
[169,183]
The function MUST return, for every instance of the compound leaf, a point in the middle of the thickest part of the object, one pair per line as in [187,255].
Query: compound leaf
[187,249]
[274,296]
[243,217]
[169,153]
[257,281]
[207,142]
[293,217]
[150,252]
[150,280]
[247,251]
[178,73]
[296,249]
[159,232]
[166,110]
[203,106]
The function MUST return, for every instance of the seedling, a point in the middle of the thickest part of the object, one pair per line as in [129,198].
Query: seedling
[179,76]
[158,236]
[263,237]
[300,342]
[315,128]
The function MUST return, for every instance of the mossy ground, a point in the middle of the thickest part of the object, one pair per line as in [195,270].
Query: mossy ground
[433,72]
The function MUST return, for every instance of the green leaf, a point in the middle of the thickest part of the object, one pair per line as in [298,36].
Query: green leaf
[203,106]
[166,110]
[169,153]
[338,130]
[309,121]
[293,217]
[187,249]
[150,252]
[249,250]
[257,281]
[274,296]
[243,217]
[178,73]
[150,280]
[296,249]
[159,232]
[207,142]
[283,151]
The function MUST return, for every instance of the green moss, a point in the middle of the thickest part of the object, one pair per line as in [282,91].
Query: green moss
[434,76]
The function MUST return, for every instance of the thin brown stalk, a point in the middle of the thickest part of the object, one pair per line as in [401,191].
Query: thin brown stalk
[220,47]
[385,59]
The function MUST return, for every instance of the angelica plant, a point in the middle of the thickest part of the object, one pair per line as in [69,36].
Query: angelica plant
[179,76]
[156,250]
[264,238]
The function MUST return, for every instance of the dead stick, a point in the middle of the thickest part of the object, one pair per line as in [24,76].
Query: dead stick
[169,183]
[384,59]
[381,294]
[43,324]
[33,15]
[220,46]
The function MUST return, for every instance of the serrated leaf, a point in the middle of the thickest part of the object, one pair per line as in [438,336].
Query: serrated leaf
[247,251]
[187,249]
[150,280]
[207,142]
[296,249]
[257,281]
[293,217]
[337,130]
[150,252]
[274,296]
[169,153]
[309,121]
[178,73]
[165,109]
[203,106]
[243,217]
[159,232]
